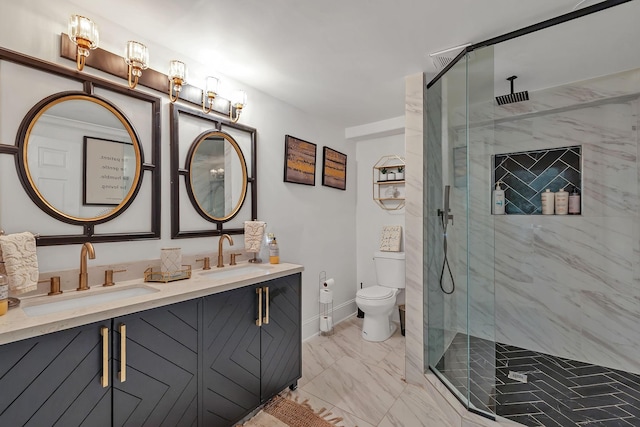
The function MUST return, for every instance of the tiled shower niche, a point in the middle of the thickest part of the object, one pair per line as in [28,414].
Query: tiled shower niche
[526,174]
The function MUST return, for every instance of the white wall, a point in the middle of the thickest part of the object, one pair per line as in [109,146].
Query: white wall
[315,226]
[370,218]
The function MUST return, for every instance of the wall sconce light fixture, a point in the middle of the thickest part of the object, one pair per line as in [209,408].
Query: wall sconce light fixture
[209,94]
[177,78]
[136,55]
[238,102]
[83,32]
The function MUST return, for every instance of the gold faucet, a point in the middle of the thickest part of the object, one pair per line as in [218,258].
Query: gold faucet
[220,241]
[86,248]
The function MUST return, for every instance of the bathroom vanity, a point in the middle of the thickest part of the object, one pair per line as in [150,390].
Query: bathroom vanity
[205,351]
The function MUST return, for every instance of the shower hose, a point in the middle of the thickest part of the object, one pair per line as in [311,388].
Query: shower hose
[445,262]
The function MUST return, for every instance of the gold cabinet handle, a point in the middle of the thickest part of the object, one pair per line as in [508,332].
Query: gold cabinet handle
[122,375]
[259,321]
[266,305]
[104,380]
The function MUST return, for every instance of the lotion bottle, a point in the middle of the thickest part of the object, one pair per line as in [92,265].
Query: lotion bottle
[562,202]
[547,202]
[574,202]
[274,251]
[498,200]
[4,294]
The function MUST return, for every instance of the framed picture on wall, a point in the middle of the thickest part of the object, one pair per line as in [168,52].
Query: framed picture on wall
[108,171]
[334,169]
[299,161]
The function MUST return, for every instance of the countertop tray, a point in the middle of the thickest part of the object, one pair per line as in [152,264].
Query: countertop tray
[167,276]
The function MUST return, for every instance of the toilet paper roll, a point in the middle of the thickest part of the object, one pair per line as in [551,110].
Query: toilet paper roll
[326,323]
[170,260]
[328,283]
[326,296]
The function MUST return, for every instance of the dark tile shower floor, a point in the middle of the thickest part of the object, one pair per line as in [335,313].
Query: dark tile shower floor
[559,392]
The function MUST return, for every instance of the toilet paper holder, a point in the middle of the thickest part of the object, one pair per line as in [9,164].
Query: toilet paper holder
[325,305]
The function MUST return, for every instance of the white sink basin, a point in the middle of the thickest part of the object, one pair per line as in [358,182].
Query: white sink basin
[77,299]
[228,272]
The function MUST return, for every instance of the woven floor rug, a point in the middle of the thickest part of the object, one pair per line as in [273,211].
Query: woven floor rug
[285,412]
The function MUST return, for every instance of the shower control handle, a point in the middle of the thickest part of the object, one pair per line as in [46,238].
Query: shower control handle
[444,213]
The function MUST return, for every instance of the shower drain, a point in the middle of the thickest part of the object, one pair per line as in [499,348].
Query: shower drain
[518,376]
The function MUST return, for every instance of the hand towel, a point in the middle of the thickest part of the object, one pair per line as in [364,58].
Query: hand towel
[20,261]
[390,239]
[253,234]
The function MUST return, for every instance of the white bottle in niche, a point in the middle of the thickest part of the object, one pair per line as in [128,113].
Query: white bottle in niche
[562,202]
[547,202]
[498,200]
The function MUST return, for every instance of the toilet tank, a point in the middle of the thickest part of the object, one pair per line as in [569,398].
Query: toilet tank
[390,269]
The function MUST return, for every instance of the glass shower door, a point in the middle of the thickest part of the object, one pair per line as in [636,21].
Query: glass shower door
[481,231]
[445,216]
[459,238]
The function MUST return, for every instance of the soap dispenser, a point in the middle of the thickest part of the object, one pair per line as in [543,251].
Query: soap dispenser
[274,251]
[498,200]
[574,202]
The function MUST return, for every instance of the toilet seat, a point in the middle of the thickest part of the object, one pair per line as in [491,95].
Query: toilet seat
[376,293]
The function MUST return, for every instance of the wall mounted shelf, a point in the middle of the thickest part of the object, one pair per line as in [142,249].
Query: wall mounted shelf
[388,182]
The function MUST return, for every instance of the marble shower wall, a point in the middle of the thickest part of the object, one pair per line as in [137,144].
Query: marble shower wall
[415,314]
[570,285]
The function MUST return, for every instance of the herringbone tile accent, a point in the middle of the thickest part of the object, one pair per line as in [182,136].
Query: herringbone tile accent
[559,392]
[526,174]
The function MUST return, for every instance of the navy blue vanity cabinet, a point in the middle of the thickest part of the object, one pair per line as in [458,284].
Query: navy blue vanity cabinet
[208,361]
[251,348]
[55,379]
[231,356]
[281,336]
[155,367]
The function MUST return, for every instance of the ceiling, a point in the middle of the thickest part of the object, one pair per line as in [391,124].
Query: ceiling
[342,60]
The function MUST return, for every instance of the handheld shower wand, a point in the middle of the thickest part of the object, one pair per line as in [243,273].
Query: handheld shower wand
[445,217]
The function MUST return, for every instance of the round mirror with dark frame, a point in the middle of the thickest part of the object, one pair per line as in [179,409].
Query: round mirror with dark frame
[217,176]
[79,158]
[217,159]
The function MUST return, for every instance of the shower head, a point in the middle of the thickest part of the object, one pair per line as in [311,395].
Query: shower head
[513,96]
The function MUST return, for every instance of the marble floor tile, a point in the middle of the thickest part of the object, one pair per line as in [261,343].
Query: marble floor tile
[394,362]
[349,420]
[362,389]
[318,354]
[350,342]
[415,407]
[362,382]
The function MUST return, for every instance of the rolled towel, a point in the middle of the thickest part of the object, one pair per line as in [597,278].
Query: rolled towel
[20,261]
[253,234]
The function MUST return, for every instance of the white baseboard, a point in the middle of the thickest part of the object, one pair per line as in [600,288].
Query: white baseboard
[311,326]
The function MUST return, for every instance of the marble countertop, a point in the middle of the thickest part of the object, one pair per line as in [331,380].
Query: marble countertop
[17,325]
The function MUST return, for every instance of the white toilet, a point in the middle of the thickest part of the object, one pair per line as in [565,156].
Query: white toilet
[378,302]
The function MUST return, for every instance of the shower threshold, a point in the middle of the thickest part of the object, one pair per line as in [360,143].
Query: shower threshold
[558,391]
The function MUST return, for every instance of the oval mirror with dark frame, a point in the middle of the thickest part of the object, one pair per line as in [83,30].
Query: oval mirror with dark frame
[80,159]
[218,179]
[74,177]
